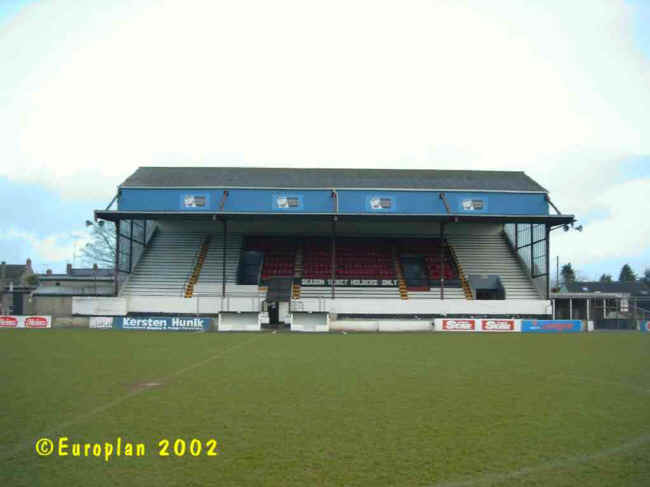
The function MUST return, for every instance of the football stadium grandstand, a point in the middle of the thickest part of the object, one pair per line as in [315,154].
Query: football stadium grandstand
[267,244]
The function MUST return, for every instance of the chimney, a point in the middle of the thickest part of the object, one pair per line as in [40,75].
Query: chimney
[68,269]
[48,272]
[28,264]
[3,273]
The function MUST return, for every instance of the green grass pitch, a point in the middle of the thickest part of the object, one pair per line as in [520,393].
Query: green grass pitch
[357,410]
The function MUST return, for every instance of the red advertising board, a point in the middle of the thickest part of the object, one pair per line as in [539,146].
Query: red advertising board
[8,322]
[459,325]
[36,322]
[497,325]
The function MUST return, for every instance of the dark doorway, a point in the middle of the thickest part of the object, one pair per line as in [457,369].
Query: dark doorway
[487,294]
[415,274]
[249,268]
[18,303]
[274,314]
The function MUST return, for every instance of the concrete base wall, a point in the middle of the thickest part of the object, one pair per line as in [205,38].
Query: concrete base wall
[310,322]
[353,306]
[381,325]
[52,305]
[239,322]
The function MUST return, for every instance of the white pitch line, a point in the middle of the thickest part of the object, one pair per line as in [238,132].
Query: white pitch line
[11,452]
[567,462]
[607,383]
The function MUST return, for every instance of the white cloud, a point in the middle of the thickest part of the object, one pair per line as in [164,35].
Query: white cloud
[623,233]
[90,90]
[50,249]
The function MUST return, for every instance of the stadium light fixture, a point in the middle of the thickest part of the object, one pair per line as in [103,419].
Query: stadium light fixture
[578,228]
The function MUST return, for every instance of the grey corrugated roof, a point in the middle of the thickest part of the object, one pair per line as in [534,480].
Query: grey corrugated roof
[635,288]
[257,177]
[68,277]
[89,272]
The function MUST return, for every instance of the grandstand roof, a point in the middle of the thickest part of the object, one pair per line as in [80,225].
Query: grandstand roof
[257,177]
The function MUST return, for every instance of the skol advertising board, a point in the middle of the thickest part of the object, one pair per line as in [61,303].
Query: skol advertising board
[14,321]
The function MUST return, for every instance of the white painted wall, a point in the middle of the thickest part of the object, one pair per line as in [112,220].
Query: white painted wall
[99,306]
[96,306]
[425,306]
[239,322]
[310,322]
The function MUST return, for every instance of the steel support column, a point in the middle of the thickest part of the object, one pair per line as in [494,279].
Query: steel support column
[442,261]
[131,247]
[554,303]
[517,237]
[532,255]
[223,259]
[548,262]
[117,258]
[333,258]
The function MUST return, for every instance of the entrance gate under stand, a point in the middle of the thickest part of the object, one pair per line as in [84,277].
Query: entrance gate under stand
[278,298]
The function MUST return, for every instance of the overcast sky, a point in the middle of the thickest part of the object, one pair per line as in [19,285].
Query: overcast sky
[559,89]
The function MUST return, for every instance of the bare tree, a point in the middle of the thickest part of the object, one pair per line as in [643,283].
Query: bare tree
[101,248]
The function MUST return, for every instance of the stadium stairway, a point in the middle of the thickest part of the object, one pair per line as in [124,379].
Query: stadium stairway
[210,279]
[165,266]
[461,273]
[298,269]
[491,255]
[403,290]
[189,287]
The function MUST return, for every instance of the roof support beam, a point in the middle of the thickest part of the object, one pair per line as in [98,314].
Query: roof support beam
[335,196]
[445,202]
[222,203]
[548,200]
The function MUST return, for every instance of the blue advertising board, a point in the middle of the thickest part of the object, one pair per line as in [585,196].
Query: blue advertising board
[161,323]
[287,201]
[551,326]
[645,326]
[350,201]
